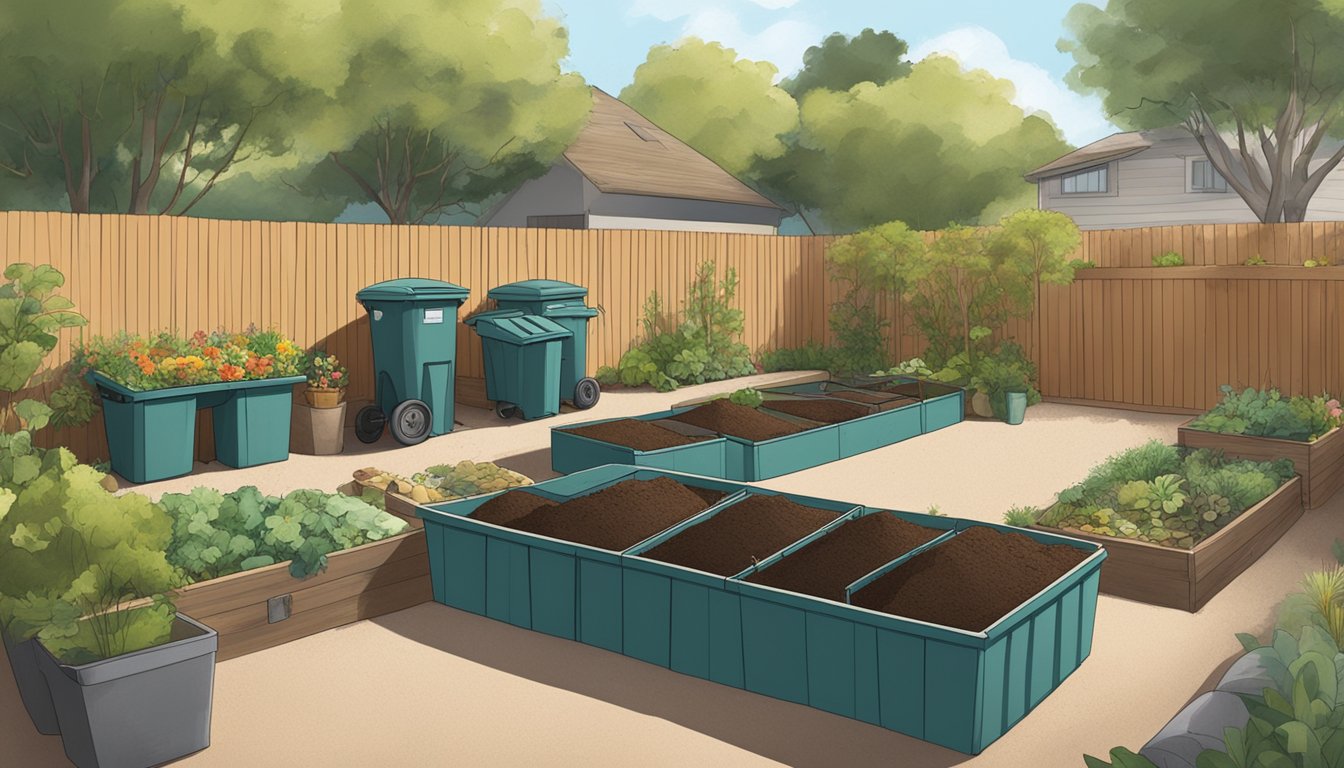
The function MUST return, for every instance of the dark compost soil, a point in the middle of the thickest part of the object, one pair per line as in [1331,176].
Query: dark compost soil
[728,418]
[620,516]
[509,506]
[824,411]
[908,389]
[826,566]
[970,581]
[636,434]
[750,530]
[859,396]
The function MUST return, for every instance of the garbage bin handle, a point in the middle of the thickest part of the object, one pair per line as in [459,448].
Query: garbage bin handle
[108,394]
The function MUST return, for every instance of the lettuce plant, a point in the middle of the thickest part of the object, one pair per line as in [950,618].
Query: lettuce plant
[1267,413]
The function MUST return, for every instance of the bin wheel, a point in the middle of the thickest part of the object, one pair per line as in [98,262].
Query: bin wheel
[505,410]
[586,393]
[411,421]
[369,423]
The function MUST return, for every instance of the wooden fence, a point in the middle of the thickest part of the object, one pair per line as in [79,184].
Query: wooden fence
[1124,333]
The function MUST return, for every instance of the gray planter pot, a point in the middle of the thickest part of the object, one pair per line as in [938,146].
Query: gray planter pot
[138,709]
[32,685]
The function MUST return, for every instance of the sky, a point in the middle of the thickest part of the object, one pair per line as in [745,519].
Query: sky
[1012,39]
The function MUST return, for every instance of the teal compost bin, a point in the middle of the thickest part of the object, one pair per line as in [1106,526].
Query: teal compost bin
[564,304]
[413,325]
[522,362]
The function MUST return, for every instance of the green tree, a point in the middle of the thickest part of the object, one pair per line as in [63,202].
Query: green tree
[726,107]
[1257,84]
[124,105]
[936,146]
[842,62]
[866,264]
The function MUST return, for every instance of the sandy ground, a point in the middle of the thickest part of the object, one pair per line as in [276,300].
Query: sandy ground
[432,686]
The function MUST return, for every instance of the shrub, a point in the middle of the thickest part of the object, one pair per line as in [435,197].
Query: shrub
[1005,369]
[1022,517]
[866,265]
[812,356]
[748,397]
[1267,413]
[1169,259]
[33,317]
[703,347]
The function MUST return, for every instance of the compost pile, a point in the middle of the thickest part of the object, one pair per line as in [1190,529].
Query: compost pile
[1156,493]
[444,482]
[971,580]
[728,418]
[826,566]
[614,518]
[824,411]
[748,531]
[508,507]
[636,434]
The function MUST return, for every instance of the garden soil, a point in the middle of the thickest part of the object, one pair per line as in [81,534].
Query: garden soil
[507,507]
[748,531]
[826,566]
[971,580]
[824,411]
[620,516]
[728,418]
[859,396]
[636,434]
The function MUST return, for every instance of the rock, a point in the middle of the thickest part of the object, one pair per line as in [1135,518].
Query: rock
[1196,728]
[1256,671]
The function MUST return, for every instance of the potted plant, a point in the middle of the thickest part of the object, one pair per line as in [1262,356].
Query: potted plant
[98,651]
[319,428]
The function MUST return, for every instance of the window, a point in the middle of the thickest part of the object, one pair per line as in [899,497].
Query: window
[643,132]
[1205,178]
[1089,182]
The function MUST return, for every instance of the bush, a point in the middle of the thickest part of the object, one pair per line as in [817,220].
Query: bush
[33,316]
[703,347]
[866,265]
[748,397]
[1266,413]
[1022,517]
[1005,369]
[1169,259]
[809,357]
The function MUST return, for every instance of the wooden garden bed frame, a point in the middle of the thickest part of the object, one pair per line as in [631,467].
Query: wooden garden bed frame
[1320,463]
[1188,578]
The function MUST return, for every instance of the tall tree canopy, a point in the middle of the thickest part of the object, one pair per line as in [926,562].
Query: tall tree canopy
[726,107]
[124,105]
[842,62]
[1258,84]
[937,146]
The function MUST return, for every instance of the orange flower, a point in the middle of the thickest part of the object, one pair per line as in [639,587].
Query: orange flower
[230,372]
[211,352]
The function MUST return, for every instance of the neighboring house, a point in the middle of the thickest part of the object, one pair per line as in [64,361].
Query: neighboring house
[624,172]
[1155,178]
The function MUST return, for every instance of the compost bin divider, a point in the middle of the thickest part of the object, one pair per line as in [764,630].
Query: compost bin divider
[900,560]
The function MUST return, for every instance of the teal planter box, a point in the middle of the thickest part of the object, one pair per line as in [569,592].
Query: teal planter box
[783,455]
[944,410]
[961,690]
[152,435]
[572,453]
[685,619]
[557,587]
[878,430]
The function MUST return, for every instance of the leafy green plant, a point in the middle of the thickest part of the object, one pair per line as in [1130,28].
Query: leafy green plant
[748,397]
[1169,259]
[703,346]
[1267,413]
[1255,261]
[865,265]
[469,478]
[1313,263]
[915,366]
[812,356]
[1005,369]
[934,511]
[1021,517]
[215,534]
[32,315]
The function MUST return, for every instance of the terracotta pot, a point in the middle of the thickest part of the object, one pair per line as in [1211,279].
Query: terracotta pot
[318,431]
[324,398]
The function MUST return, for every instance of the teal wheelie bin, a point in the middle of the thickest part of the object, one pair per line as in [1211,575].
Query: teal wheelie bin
[522,362]
[563,303]
[413,325]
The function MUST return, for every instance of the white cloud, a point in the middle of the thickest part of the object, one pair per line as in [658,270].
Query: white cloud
[782,43]
[1081,118]
[775,5]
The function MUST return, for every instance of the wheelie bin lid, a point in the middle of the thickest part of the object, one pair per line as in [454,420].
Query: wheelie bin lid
[413,289]
[538,290]
[517,328]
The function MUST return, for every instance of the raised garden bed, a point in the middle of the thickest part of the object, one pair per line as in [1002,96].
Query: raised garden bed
[953,687]
[1320,462]
[636,434]
[800,443]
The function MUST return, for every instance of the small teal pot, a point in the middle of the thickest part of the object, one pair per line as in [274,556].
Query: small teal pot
[1016,406]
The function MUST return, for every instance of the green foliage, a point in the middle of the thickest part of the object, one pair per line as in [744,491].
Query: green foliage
[727,108]
[812,356]
[1004,369]
[1255,261]
[1120,758]
[748,397]
[842,62]
[1022,517]
[32,315]
[1169,259]
[866,266]
[702,347]
[215,534]
[71,552]
[1267,413]
[1155,493]
[469,478]
[915,366]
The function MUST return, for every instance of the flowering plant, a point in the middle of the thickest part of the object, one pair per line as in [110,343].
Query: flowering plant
[326,372]
[167,360]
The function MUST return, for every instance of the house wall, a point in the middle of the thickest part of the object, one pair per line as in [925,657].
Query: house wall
[1151,189]
[558,193]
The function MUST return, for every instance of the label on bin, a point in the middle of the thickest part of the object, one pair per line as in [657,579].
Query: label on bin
[433,316]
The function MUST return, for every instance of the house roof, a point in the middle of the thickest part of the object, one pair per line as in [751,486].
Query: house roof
[622,152]
[1112,147]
